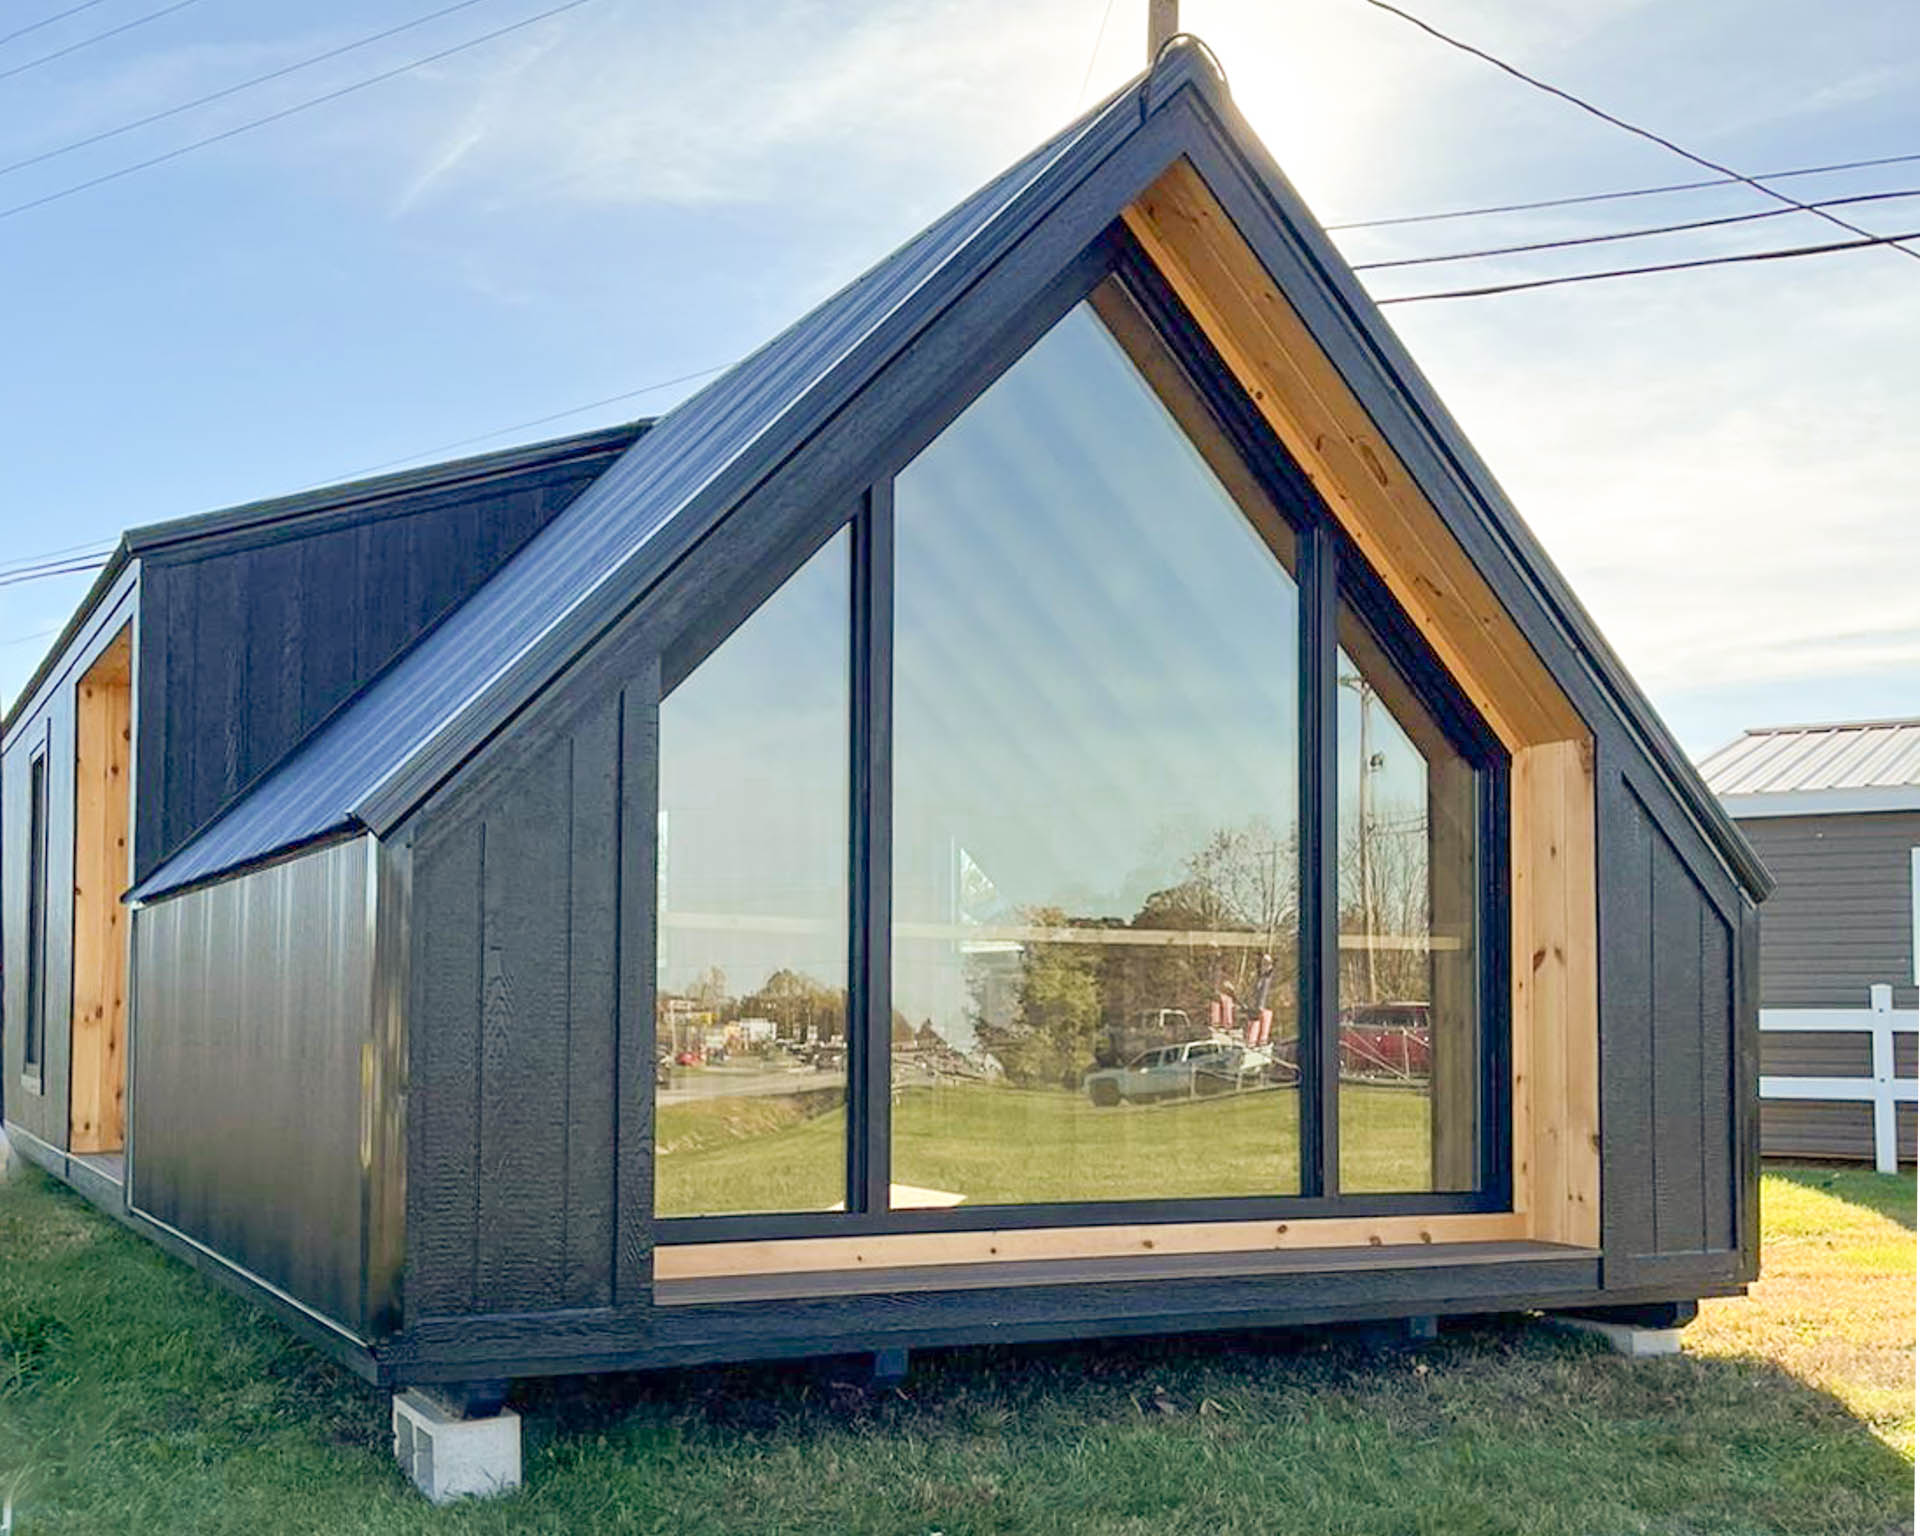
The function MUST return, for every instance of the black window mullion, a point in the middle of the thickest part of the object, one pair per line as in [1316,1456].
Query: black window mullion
[870,1012]
[1319,870]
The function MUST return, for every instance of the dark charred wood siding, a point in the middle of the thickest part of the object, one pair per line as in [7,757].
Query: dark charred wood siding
[1676,1051]
[251,639]
[514,1022]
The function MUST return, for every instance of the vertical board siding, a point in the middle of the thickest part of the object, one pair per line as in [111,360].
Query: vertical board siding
[593,984]
[1678,1070]
[1841,917]
[515,914]
[254,642]
[443,1125]
[254,1014]
[1716,1081]
[524,1012]
[1674,1184]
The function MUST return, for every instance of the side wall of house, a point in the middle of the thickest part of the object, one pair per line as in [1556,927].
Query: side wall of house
[263,1103]
[1679,1045]
[47,723]
[251,639]
[519,1097]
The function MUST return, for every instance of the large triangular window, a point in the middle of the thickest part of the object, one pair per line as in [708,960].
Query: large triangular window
[1165,837]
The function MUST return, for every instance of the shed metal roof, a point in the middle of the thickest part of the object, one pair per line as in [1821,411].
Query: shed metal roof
[380,755]
[1783,770]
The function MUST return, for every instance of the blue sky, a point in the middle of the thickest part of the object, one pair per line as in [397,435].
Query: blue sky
[1721,461]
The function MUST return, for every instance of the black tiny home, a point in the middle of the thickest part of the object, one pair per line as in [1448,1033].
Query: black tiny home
[1056,798]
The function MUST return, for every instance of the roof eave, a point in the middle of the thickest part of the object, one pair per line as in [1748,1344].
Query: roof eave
[1822,802]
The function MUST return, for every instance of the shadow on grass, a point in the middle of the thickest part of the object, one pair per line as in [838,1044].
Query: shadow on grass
[1891,1195]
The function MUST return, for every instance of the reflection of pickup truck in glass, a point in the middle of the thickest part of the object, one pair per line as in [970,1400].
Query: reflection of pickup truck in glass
[1191,1069]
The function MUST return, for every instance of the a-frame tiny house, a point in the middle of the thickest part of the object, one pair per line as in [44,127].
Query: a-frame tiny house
[1056,798]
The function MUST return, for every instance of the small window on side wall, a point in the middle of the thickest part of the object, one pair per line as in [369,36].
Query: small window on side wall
[33,1041]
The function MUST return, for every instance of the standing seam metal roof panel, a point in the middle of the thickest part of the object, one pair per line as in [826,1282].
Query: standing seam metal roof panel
[320,789]
[1793,759]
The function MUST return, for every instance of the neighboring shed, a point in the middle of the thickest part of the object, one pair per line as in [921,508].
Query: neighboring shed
[1056,798]
[1834,811]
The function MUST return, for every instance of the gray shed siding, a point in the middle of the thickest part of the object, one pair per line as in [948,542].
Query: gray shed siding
[1839,922]
[1841,918]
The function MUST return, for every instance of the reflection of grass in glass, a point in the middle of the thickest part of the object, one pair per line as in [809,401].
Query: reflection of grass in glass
[766,1152]
[1385,1144]
[1007,1146]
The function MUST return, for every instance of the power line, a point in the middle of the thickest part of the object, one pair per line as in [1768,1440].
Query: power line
[1087,73]
[47,21]
[98,37]
[80,558]
[77,568]
[1665,266]
[234,90]
[1627,234]
[91,547]
[537,421]
[286,112]
[55,567]
[1633,128]
[1609,197]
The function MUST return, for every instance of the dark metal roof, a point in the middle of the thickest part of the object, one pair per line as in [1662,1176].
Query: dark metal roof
[371,495]
[384,752]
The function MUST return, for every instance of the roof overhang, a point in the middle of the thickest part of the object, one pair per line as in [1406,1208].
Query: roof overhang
[1823,802]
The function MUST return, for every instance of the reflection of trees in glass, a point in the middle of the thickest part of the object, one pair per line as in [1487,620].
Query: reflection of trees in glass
[803,1011]
[1390,912]
[1045,1010]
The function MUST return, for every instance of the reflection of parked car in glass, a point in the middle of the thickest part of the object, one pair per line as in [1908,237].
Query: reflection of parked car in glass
[1386,1042]
[1191,1069]
[1120,1044]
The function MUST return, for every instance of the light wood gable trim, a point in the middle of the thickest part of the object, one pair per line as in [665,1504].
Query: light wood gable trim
[1375,499]
[102,796]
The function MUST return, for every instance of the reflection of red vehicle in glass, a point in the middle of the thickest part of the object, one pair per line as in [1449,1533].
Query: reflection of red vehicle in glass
[687,1059]
[1386,1042]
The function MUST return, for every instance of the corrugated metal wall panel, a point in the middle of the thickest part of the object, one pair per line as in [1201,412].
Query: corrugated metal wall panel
[253,1010]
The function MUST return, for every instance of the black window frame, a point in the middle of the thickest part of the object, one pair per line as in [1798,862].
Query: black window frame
[1330,569]
[33,1038]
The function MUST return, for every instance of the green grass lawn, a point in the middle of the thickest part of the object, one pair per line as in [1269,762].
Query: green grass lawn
[133,1397]
[998,1145]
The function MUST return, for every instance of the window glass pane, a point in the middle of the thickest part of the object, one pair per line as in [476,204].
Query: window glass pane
[1409,1007]
[752,1028]
[1095,785]
[34,1041]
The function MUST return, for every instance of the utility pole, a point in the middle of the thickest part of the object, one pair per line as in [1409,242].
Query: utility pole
[1163,22]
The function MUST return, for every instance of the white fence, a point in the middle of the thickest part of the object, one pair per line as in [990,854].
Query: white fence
[1883,1089]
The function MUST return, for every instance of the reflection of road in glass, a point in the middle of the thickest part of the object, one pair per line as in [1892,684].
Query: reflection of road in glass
[743,1082]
